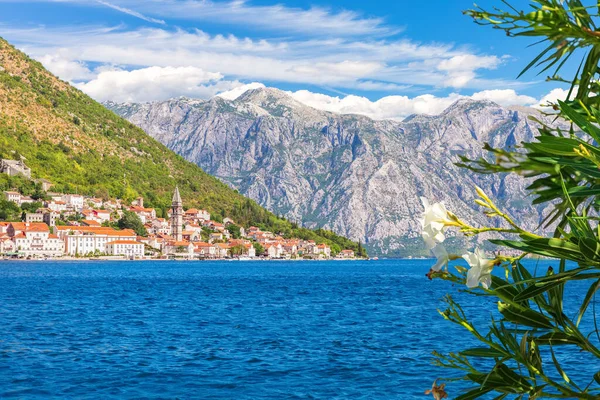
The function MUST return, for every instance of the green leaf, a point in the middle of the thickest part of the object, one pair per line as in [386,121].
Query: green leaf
[474,393]
[557,338]
[586,301]
[482,352]
[590,248]
[524,316]
[584,123]
[536,289]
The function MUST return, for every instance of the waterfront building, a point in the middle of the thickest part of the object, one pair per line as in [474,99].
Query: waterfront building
[82,240]
[35,240]
[128,248]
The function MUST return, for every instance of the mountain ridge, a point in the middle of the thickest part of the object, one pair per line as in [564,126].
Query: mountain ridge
[355,175]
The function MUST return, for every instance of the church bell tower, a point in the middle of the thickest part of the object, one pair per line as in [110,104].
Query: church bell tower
[177,216]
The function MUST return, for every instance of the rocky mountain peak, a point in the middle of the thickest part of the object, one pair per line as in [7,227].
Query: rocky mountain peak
[277,102]
[467,105]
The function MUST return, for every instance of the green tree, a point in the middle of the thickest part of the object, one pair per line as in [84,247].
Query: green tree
[130,220]
[234,230]
[237,250]
[260,250]
[31,207]
[9,211]
[517,353]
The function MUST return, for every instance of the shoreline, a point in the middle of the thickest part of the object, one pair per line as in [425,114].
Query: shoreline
[71,259]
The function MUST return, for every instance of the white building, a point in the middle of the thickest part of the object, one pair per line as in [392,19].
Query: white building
[102,215]
[74,200]
[275,250]
[82,240]
[13,196]
[128,248]
[145,214]
[57,206]
[205,250]
[35,240]
[6,245]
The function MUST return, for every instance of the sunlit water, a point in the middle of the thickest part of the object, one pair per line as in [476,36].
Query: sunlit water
[237,330]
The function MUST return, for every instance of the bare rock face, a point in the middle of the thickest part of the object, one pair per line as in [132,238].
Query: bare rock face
[359,177]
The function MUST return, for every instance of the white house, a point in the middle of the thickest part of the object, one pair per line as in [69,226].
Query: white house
[205,250]
[275,250]
[161,226]
[35,240]
[223,250]
[346,254]
[57,206]
[82,240]
[322,250]
[129,248]
[213,237]
[13,196]
[179,248]
[102,215]
[6,245]
[145,214]
[75,201]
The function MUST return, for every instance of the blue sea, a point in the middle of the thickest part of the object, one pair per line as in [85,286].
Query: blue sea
[226,330]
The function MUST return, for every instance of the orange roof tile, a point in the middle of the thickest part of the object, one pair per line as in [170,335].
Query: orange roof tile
[30,226]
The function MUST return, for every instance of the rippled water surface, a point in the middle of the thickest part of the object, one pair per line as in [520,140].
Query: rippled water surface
[239,330]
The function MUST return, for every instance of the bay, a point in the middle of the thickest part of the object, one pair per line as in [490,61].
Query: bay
[243,330]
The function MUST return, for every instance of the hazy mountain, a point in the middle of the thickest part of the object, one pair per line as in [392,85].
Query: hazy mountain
[360,177]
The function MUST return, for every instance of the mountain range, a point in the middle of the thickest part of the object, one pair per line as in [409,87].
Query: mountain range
[354,175]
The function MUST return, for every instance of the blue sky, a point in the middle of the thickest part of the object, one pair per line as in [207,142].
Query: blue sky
[379,58]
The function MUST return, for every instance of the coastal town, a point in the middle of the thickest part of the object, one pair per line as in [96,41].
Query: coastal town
[78,226]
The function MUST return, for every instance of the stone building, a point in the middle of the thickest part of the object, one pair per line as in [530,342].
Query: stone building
[15,167]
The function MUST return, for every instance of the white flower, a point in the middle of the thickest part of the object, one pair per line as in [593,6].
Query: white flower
[481,270]
[439,251]
[433,222]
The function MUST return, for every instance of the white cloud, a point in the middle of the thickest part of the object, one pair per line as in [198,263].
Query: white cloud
[389,107]
[315,21]
[461,68]
[337,62]
[554,95]
[399,107]
[66,69]
[240,90]
[155,83]
[505,97]
[131,12]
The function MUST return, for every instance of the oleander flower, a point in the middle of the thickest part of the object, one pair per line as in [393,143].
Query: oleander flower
[433,222]
[481,269]
[439,251]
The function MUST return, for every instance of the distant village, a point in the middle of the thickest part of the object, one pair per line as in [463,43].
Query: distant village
[75,226]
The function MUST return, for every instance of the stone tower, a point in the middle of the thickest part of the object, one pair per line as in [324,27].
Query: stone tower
[177,216]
